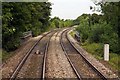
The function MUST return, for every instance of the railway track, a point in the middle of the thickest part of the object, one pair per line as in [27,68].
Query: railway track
[44,44]
[81,66]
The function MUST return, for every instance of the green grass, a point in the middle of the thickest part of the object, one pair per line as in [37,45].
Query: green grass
[114,60]
[96,49]
[5,55]
[72,33]
[0,54]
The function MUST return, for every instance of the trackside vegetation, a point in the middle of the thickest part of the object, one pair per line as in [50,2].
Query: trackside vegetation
[21,17]
[96,30]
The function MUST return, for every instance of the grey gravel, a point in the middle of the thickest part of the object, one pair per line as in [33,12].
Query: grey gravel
[57,65]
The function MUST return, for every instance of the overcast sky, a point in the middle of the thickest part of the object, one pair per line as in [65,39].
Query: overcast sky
[70,9]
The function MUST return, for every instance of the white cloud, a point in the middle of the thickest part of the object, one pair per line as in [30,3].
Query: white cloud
[70,9]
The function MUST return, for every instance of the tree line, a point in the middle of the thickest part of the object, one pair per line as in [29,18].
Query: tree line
[103,28]
[21,17]
[56,22]
[26,16]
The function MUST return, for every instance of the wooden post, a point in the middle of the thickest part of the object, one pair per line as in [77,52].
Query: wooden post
[106,52]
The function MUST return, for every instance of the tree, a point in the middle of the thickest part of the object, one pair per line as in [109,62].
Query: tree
[111,13]
[21,17]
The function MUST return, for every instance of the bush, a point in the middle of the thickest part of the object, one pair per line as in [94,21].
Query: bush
[22,17]
[83,29]
[12,44]
[104,33]
[101,32]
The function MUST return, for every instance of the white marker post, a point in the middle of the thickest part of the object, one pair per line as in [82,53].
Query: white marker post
[106,52]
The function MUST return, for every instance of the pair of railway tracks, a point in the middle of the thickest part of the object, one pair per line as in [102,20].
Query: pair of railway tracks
[72,55]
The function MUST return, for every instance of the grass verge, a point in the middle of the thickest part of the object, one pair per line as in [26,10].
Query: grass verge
[72,34]
[0,55]
[5,55]
[96,49]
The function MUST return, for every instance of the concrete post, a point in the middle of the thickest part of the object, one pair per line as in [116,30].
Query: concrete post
[106,52]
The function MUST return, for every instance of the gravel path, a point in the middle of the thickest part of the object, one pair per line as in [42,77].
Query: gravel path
[57,65]
[105,71]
